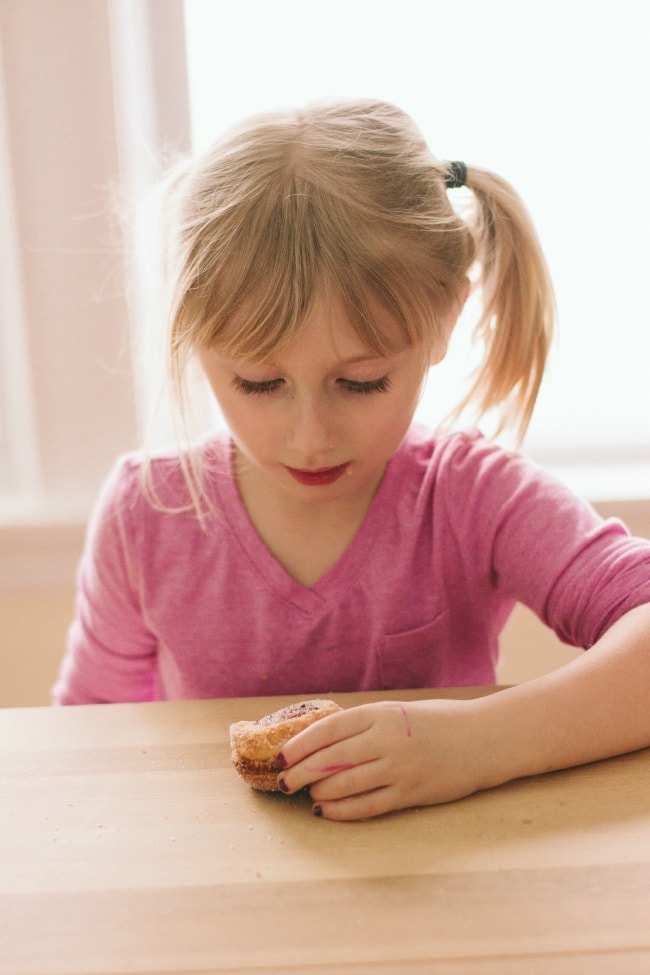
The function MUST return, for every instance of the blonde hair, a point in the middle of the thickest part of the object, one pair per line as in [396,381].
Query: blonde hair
[347,197]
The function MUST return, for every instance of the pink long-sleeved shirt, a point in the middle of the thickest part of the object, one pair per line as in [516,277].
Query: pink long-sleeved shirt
[459,530]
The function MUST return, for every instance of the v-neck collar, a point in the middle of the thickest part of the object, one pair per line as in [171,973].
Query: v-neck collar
[336,579]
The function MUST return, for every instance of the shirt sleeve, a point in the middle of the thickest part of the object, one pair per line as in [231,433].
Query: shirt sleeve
[111,652]
[544,546]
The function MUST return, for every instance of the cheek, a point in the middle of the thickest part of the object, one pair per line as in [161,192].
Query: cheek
[249,423]
[386,428]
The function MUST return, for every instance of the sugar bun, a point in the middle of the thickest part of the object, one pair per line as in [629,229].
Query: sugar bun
[254,745]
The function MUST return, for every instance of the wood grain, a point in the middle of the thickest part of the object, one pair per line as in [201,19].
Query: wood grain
[129,845]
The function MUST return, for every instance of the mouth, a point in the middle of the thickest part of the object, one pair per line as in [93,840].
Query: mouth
[320,477]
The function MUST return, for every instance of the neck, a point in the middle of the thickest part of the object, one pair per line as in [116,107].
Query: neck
[306,538]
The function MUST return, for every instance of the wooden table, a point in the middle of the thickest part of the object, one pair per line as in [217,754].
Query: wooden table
[129,845]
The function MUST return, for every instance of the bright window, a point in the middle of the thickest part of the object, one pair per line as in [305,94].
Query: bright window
[548,93]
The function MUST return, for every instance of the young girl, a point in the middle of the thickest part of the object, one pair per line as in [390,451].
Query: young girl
[316,270]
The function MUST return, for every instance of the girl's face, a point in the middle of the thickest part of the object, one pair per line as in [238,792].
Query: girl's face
[320,422]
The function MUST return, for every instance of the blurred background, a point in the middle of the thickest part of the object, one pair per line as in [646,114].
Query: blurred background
[96,96]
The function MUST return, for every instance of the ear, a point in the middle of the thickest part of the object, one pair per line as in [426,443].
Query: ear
[448,324]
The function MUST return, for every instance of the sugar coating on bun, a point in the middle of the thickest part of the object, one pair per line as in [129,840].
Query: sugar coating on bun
[254,745]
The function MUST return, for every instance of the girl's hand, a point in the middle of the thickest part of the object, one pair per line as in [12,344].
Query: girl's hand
[375,758]
[371,759]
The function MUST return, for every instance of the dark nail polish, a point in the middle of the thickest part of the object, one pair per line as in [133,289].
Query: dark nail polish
[283,785]
[281,760]
[317,811]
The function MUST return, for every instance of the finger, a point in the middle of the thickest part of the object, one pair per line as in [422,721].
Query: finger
[351,781]
[324,733]
[351,808]
[344,759]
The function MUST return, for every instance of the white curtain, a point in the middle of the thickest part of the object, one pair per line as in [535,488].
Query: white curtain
[91,93]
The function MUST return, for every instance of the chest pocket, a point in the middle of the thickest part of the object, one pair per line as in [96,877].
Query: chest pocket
[414,658]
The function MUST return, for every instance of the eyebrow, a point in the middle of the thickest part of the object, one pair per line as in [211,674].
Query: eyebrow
[353,360]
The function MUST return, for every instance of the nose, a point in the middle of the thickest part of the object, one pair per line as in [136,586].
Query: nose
[311,433]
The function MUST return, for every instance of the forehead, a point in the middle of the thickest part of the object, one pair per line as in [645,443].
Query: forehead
[328,327]
[326,336]
[330,324]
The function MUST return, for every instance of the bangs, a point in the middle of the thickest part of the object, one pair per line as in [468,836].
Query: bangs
[300,208]
[308,247]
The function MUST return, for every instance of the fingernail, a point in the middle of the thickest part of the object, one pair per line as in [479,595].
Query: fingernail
[283,785]
[317,811]
[281,760]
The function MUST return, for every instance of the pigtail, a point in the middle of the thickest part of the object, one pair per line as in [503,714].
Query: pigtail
[518,302]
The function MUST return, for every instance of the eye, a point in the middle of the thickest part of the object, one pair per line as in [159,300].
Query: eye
[251,388]
[373,386]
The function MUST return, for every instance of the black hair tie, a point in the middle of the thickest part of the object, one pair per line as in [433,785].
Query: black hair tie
[456,175]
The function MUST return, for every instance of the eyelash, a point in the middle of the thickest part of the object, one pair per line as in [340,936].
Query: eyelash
[373,386]
[247,387]
[350,385]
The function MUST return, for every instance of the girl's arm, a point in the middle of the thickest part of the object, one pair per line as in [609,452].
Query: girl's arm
[379,757]
[111,651]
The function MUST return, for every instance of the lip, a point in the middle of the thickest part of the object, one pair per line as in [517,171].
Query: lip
[319,477]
